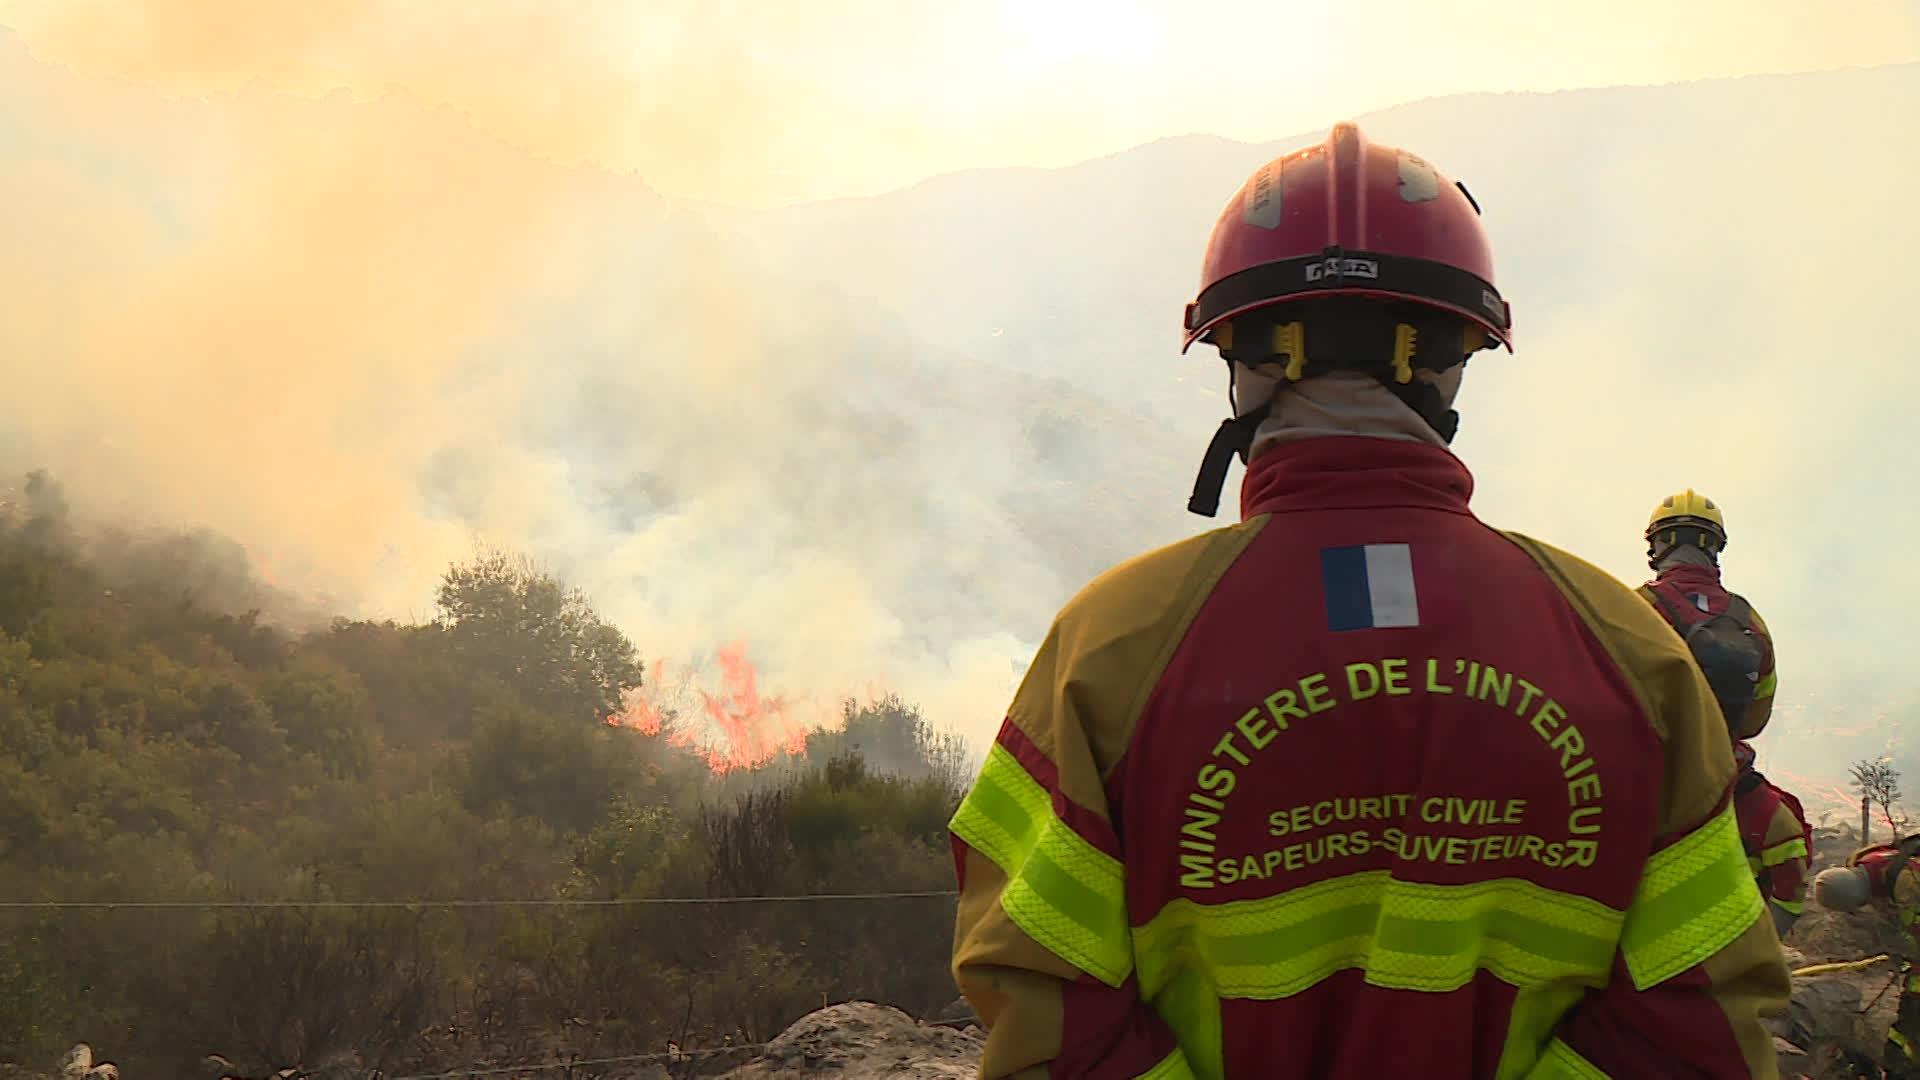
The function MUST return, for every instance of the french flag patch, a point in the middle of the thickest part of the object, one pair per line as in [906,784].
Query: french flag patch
[1369,586]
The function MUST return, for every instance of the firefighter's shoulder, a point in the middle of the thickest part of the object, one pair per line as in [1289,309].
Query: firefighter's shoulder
[1156,591]
[1616,610]
[1634,635]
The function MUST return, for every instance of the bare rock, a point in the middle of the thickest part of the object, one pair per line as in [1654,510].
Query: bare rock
[863,1041]
[1792,1057]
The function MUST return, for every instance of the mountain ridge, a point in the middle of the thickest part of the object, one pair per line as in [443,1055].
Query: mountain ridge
[1277,144]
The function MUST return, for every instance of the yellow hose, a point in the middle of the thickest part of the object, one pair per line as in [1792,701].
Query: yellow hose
[1845,965]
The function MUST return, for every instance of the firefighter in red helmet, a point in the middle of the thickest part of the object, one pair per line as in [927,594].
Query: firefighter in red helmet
[1358,786]
[1397,290]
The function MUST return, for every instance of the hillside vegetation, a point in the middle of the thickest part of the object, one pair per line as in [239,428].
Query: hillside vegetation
[156,747]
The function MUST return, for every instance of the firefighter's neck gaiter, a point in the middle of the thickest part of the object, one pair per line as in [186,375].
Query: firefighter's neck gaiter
[1338,403]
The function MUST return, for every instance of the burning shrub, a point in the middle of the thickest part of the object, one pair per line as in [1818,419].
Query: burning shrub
[733,728]
[151,748]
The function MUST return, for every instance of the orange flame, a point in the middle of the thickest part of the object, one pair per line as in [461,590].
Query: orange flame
[637,712]
[756,728]
[739,728]
[262,560]
[1817,796]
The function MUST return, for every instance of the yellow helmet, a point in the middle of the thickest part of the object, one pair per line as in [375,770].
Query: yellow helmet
[1687,504]
[1686,518]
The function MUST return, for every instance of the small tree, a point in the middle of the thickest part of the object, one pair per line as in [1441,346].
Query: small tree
[47,529]
[540,636]
[1878,782]
[894,738]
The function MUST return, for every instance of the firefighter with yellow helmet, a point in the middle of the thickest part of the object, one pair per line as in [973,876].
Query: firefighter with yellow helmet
[1685,535]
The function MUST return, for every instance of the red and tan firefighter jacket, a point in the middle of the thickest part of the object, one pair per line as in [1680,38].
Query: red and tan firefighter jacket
[1892,875]
[1776,836]
[1361,787]
[1688,593]
[1897,879]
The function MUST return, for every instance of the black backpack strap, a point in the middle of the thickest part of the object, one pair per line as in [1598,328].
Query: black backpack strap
[1739,610]
[1666,608]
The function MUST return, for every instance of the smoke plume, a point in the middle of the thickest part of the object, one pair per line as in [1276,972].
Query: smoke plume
[362,337]
[877,444]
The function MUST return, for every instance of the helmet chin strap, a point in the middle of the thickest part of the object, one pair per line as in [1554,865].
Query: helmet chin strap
[1234,438]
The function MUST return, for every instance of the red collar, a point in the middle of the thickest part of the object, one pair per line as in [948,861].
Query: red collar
[1690,577]
[1354,472]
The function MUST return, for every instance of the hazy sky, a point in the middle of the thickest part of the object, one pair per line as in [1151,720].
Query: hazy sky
[358,292]
[763,103]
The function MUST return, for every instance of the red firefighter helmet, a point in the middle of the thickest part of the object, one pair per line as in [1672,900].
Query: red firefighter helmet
[1347,217]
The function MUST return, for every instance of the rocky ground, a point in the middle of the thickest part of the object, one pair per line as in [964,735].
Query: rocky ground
[864,1040]
[1836,1022]
[1832,1030]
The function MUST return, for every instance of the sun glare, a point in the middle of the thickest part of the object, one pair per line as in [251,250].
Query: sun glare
[1060,31]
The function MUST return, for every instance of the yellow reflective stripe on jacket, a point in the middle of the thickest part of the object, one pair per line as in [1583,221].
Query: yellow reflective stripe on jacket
[1695,897]
[1766,686]
[1898,1039]
[1171,1067]
[1795,848]
[1791,907]
[1563,1062]
[1066,894]
[1404,935]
